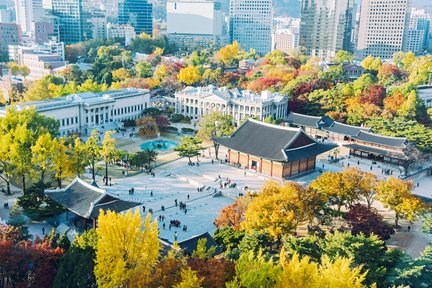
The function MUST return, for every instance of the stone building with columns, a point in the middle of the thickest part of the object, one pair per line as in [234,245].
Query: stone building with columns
[195,102]
[276,151]
[81,113]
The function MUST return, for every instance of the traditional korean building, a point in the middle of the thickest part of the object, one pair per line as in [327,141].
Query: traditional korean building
[273,150]
[86,200]
[323,126]
[380,148]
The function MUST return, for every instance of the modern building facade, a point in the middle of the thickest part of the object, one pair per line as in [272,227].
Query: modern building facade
[251,24]
[125,31]
[240,104]
[10,34]
[326,26]
[27,12]
[69,14]
[196,23]
[419,31]
[276,151]
[137,13]
[81,113]
[284,40]
[383,27]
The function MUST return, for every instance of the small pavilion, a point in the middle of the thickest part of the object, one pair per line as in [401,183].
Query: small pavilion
[86,200]
[274,150]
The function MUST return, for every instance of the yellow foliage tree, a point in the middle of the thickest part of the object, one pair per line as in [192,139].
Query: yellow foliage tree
[189,279]
[279,209]
[229,53]
[127,250]
[396,194]
[120,74]
[189,75]
[302,273]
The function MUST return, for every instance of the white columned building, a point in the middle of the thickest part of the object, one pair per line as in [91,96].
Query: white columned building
[195,102]
[82,113]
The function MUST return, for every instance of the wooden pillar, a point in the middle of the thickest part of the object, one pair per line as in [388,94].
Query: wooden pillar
[298,171]
[238,157]
[94,223]
[247,161]
[229,155]
[290,163]
[271,168]
[307,164]
[260,170]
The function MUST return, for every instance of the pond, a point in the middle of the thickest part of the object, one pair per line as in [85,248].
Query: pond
[159,145]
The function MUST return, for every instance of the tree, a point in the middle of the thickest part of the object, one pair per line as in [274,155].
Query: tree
[396,194]
[367,220]
[92,152]
[162,122]
[233,214]
[215,125]
[42,154]
[146,157]
[61,161]
[77,265]
[279,209]
[255,272]
[143,69]
[215,272]
[78,158]
[189,279]
[120,74]
[107,151]
[343,56]
[189,147]
[148,125]
[6,165]
[189,75]
[202,252]
[228,54]
[127,249]
[302,273]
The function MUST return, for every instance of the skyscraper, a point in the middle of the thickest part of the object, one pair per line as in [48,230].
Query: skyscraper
[326,26]
[251,24]
[69,14]
[383,29]
[419,30]
[28,11]
[137,13]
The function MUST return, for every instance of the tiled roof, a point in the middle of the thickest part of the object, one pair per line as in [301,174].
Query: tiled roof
[384,152]
[397,142]
[86,200]
[190,245]
[308,121]
[345,129]
[271,142]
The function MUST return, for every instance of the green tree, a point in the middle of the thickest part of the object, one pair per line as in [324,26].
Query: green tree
[189,147]
[107,151]
[76,267]
[255,272]
[92,152]
[343,56]
[189,279]
[143,69]
[215,125]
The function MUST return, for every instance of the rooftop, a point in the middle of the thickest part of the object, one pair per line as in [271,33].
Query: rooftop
[74,99]
[225,94]
[396,142]
[308,121]
[273,142]
[86,200]
[345,129]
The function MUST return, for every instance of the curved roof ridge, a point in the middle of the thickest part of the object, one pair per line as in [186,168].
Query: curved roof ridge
[305,115]
[273,125]
[344,124]
[384,136]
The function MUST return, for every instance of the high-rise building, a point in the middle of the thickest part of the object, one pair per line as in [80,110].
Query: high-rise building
[419,31]
[137,13]
[28,11]
[5,14]
[10,34]
[251,24]
[326,26]
[199,22]
[125,31]
[383,28]
[69,15]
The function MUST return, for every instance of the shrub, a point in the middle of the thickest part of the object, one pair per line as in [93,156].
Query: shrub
[187,130]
